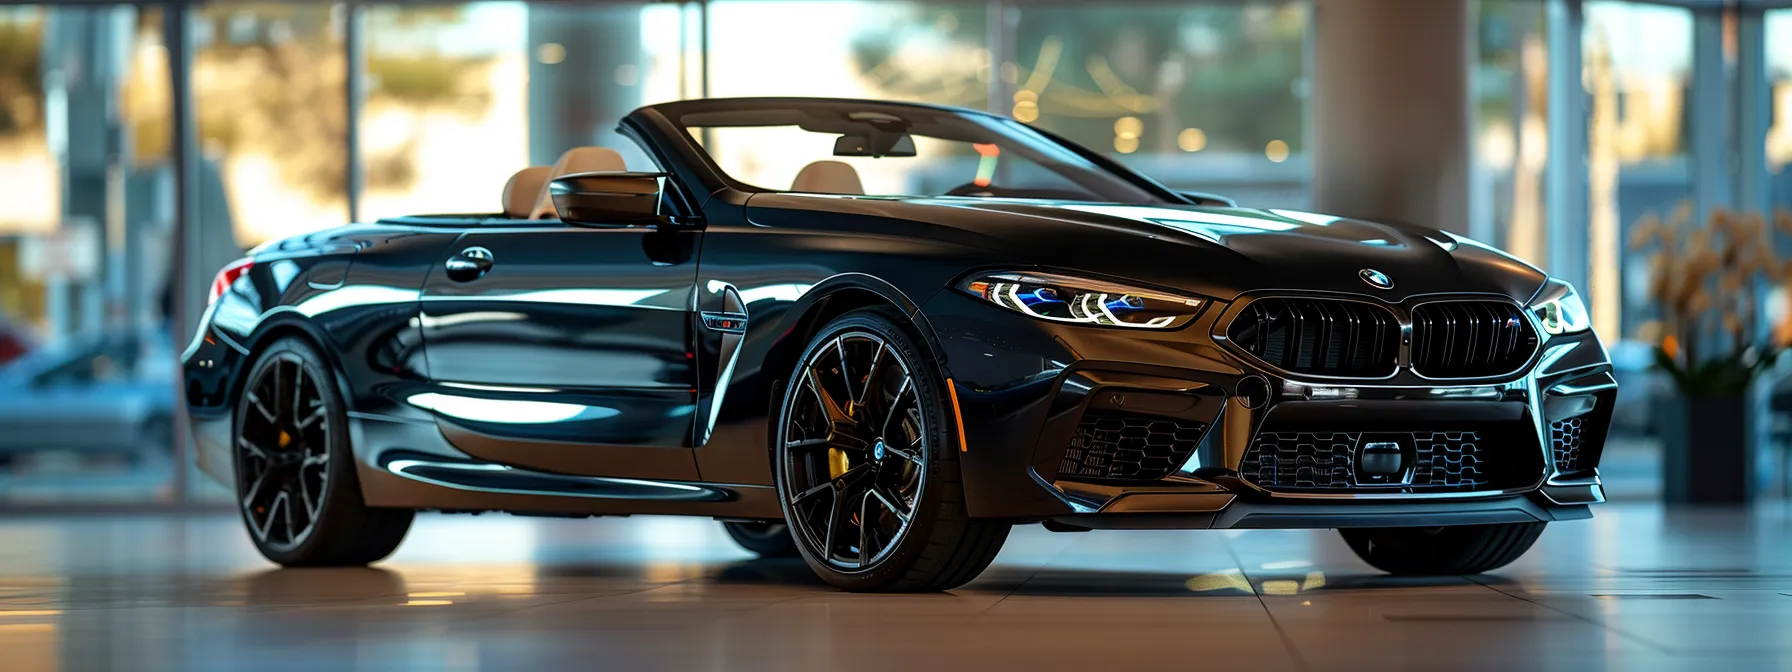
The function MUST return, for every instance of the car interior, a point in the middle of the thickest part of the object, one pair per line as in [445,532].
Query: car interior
[526,195]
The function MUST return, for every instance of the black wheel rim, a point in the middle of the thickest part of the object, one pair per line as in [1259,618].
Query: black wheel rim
[854,447]
[283,453]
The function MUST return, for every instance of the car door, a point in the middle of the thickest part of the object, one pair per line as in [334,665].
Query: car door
[565,348]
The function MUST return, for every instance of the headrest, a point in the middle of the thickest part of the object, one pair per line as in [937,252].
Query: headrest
[521,190]
[575,160]
[828,177]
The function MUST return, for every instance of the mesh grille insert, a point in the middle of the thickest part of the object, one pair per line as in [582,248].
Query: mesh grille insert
[1328,461]
[1129,448]
[1565,438]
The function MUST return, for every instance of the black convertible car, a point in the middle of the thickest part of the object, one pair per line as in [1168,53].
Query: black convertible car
[947,324]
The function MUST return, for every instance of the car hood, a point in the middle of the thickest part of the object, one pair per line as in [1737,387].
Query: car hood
[1217,252]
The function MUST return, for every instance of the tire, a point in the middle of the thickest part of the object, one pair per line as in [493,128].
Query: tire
[1433,551]
[770,539]
[934,546]
[314,515]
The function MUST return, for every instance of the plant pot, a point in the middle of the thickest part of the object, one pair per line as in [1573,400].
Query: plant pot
[1705,449]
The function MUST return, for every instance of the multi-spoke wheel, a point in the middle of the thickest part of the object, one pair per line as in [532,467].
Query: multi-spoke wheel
[868,478]
[294,471]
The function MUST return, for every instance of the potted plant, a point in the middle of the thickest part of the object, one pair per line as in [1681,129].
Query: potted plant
[1710,285]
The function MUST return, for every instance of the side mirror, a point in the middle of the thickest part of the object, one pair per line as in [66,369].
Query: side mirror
[610,199]
[1203,198]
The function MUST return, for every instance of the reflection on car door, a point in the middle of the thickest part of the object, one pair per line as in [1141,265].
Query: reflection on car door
[565,348]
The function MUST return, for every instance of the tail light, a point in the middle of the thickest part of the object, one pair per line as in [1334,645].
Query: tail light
[227,277]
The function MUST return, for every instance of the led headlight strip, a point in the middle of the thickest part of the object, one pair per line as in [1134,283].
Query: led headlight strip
[1560,310]
[1061,298]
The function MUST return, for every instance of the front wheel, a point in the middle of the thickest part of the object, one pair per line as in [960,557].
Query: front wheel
[867,471]
[1431,551]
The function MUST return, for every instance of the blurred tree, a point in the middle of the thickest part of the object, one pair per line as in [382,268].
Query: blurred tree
[1231,70]
[931,53]
[21,85]
[273,81]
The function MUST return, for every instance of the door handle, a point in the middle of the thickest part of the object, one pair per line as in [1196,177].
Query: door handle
[471,264]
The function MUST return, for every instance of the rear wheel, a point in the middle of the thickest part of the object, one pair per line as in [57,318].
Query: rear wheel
[867,472]
[766,539]
[1463,549]
[295,474]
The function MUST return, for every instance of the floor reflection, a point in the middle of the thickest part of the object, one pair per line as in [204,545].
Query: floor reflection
[1636,587]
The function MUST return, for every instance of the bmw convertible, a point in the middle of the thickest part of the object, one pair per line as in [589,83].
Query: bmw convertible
[879,335]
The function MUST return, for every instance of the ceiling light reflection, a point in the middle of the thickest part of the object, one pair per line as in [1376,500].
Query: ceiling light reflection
[508,411]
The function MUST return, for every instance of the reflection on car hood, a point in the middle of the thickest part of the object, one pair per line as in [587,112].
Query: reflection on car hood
[1217,252]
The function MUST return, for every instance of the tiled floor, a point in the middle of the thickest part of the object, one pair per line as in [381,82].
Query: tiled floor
[1636,588]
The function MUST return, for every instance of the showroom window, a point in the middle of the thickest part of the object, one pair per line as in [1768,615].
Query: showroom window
[932,53]
[1511,144]
[1637,67]
[86,362]
[1779,132]
[444,119]
[1206,96]
[270,85]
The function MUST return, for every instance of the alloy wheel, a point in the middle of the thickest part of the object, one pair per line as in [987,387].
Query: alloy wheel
[854,451]
[283,453]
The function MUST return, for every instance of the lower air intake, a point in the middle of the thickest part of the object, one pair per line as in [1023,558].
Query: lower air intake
[1109,447]
[1565,440]
[1329,461]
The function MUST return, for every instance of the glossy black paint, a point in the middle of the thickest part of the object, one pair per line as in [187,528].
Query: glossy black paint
[565,358]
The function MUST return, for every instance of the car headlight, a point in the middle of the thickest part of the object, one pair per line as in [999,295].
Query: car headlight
[1060,298]
[1559,309]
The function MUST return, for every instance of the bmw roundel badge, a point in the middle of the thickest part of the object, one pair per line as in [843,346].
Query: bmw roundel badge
[1376,279]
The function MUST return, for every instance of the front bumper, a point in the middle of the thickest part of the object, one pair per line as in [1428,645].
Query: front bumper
[1026,388]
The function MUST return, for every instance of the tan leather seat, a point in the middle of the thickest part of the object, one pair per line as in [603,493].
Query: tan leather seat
[522,189]
[575,160]
[828,177]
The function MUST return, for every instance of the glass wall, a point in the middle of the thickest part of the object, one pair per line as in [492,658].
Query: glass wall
[86,366]
[459,97]
[1637,67]
[445,115]
[1778,27]
[933,53]
[1201,95]
[1511,126]
[270,84]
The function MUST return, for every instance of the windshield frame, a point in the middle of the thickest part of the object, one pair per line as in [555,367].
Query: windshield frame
[660,129]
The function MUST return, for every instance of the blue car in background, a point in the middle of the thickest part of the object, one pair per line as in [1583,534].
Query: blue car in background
[110,394]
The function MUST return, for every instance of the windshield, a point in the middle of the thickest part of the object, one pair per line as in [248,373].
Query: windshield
[870,149]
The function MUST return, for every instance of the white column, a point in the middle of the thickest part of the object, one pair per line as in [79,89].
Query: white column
[1390,110]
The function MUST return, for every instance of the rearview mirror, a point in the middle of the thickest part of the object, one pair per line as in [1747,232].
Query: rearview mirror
[610,199]
[875,144]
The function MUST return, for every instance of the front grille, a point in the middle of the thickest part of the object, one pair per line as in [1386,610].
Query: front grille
[1322,461]
[1128,448]
[1470,339]
[1319,336]
[1565,443]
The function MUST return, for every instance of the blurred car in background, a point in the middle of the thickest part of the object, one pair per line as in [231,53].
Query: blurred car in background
[106,395]
[14,343]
